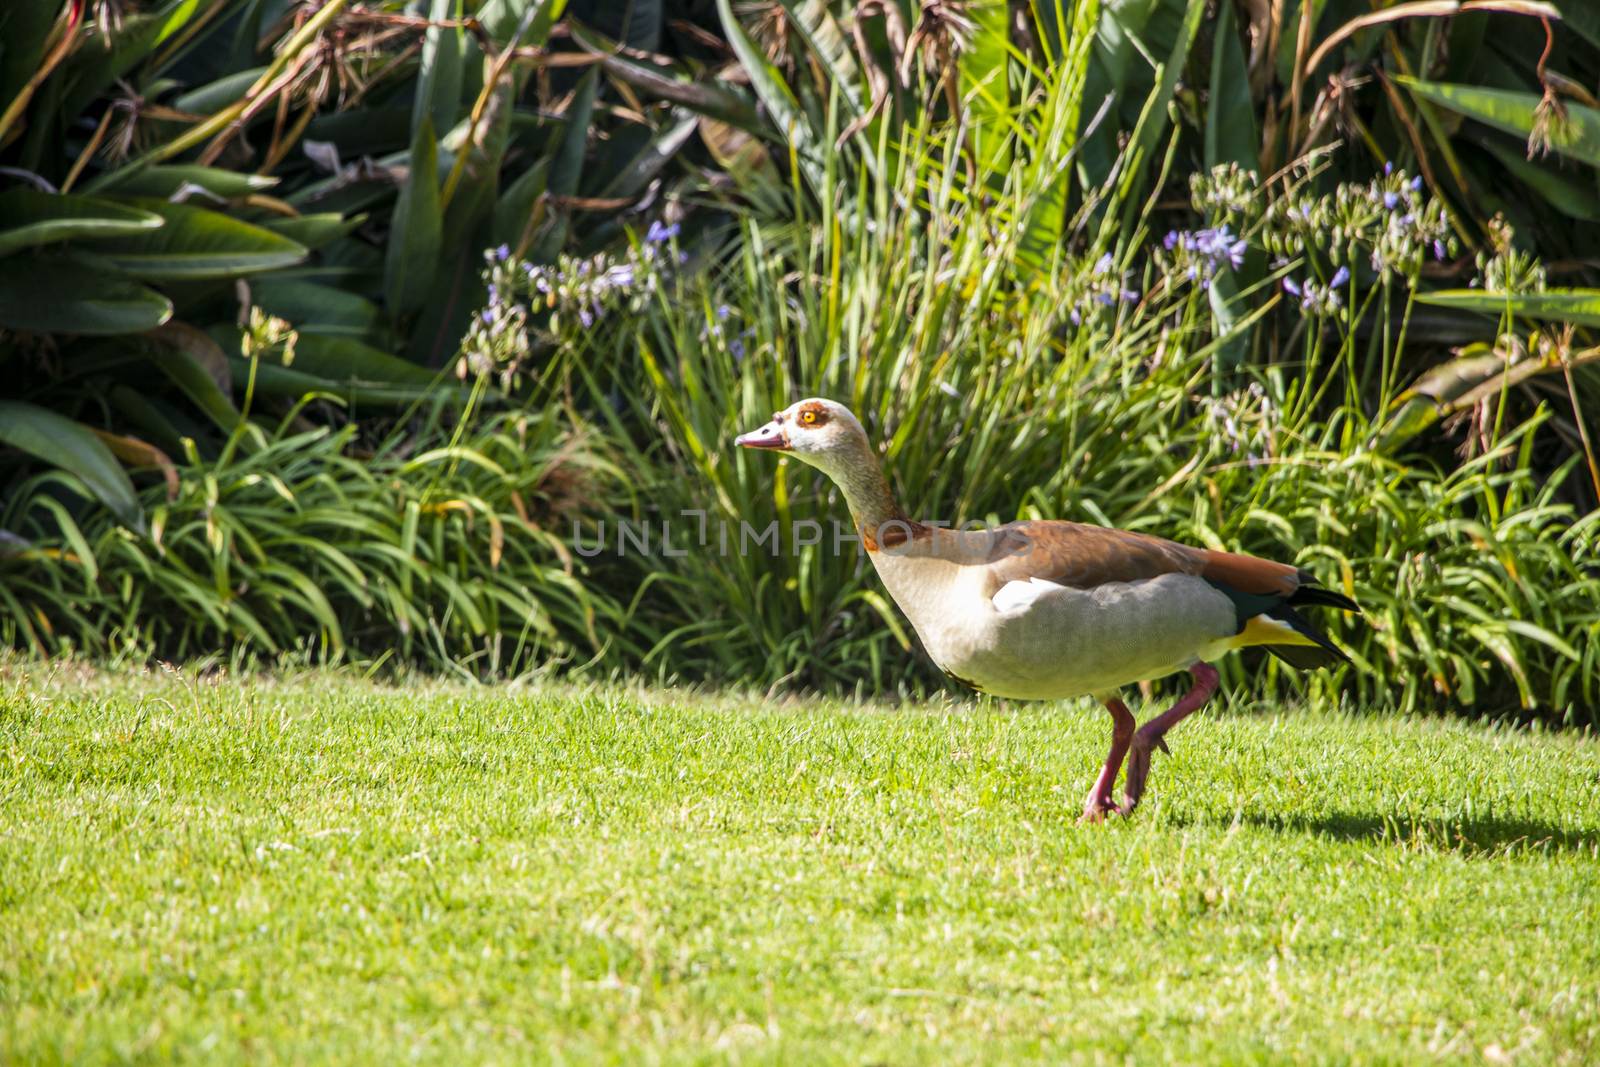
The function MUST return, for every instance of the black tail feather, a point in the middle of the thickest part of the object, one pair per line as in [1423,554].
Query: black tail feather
[1312,595]
[1305,657]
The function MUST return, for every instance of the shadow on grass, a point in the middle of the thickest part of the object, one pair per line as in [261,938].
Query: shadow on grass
[1473,835]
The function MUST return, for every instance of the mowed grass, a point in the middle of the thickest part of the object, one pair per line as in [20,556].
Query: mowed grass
[322,869]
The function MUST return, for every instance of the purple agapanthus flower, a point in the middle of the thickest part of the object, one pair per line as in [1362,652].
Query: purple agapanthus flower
[1217,246]
[660,234]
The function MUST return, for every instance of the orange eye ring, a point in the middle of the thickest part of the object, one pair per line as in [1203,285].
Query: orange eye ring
[808,417]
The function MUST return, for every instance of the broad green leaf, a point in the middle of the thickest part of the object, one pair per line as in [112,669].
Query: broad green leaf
[677,86]
[1117,72]
[29,217]
[412,257]
[1057,140]
[1578,306]
[165,179]
[1230,138]
[781,105]
[502,17]
[198,346]
[1152,127]
[24,28]
[439,77]
[1582,16]
[632,178]
[315,231]
[1291,32]
[1572,198]
[197,242]
[341,359]
[1577,136]
[73,447]
[103,58]
[226,90]
[514,209]
[62,296]
[831,50]
[322,308]
[985,90]
[198,385]
[274,379]
[1231,115]
[566,165]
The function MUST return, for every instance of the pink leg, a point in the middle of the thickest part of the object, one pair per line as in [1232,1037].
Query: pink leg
[1151,733]
[1099,800]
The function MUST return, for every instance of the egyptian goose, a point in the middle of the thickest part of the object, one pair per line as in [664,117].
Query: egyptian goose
[1043,610]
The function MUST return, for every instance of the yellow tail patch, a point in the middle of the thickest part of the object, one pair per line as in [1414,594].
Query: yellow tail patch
[1265,630]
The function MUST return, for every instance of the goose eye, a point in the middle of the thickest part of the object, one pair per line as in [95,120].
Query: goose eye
[808,417]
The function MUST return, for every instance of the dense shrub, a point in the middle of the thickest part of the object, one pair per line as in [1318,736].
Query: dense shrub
[1093,391]
[440,547]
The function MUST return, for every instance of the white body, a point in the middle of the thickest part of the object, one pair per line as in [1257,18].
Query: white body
[1037,640]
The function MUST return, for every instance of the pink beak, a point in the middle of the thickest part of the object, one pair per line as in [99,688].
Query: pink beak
[769,436]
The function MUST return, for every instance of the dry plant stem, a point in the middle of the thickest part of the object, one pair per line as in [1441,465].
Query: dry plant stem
[220,121]
[88,150]
[71,18]
[480,106]
[1583,426]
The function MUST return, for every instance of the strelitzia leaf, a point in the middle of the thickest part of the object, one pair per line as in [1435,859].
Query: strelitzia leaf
[1579,306]
[198,385]
[197,242]
[61,296]
[1230,119]
[1573,198]
[667,83]
[74,448]
[166,179]
[321,308]
[774,93]
[1576,135]
[340,358]
[413,252]
[29,217]
[985,89]
[439,78]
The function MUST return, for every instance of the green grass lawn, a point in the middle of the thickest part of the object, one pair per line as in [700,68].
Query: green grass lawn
[321,869]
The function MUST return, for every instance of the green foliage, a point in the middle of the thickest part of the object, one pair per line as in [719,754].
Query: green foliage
[344,165]
[1078,397]
[218,219]
[439,548]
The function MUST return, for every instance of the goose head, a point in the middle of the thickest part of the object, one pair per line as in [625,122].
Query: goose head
[815,431]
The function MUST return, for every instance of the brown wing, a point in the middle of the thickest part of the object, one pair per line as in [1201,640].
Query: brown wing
[1080,556]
